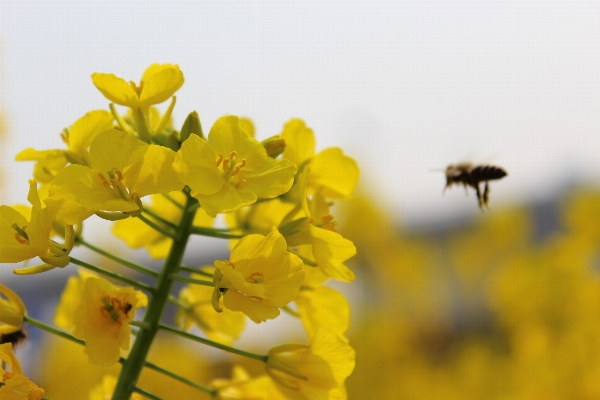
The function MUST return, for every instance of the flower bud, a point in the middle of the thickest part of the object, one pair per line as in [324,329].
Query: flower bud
[275,145]
[191,126]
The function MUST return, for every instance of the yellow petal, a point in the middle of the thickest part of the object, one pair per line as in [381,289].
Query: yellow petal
[160,85]
[299,141]
[323,307]
[335,172]
[116,89]
[258,311]
[86,128]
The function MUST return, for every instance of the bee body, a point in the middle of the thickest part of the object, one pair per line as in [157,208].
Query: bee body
[471,176]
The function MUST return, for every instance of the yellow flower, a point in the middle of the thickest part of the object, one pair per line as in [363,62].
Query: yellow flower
[159,82]
[77,138]
[21,239]
[259,277]
[122,170]
[332,172]
[224,327]
[243,387]
[136,233]
[231,169]
[70,300]
[105,390]
[11,311]
[316,371]
[102,319]
[323,307]
[14,385]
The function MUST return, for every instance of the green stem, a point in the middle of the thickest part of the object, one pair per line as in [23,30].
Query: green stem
[118,277]
[159,218]
[126,263]
[211,343]
[179,304]
[196,230]
[194,271]
[132,367]
[305,260]
[163,371]
[155,226]
[45,327]
[119,119]
[172,200]
[179,278]
[145,393]
[140,123]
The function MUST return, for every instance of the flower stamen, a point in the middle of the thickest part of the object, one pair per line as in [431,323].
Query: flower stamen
[20,235]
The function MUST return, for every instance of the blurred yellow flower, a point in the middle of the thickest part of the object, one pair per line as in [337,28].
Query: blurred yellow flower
[105,390]
[323,307]
[316,371]
[14,385]
[70,300]
[260,276]
[11,311]
[102,319]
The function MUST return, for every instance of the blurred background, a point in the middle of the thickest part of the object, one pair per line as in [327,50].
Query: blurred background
[449,303]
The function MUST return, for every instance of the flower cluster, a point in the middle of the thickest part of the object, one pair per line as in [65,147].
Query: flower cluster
[161,185]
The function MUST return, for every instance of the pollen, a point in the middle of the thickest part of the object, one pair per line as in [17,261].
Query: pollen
[256,277]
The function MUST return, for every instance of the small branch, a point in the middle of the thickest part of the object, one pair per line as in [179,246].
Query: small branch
[179,278]
[305,260]
[118,277]
[163,371]
[194,271]
[172,200]
[156,227]
[196,230]
[126,263]
[50,329]
[159,218]
[211,343]
[146,394]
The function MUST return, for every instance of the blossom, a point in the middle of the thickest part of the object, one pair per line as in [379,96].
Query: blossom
[259,277]
[14,385]
[323,307]
[122,169]
[136,233]
[231,169]
[159,82]
[331,171]
[316,371]
[11,311]
[223,327]
[77,138]
[102,319]
[70,299]
[242,386]
[21,239]
[105,389]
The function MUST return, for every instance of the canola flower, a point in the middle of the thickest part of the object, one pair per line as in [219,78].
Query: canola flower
[113,163]
[13,384]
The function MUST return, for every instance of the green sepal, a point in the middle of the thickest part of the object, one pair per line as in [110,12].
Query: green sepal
[172,141]
[191,126]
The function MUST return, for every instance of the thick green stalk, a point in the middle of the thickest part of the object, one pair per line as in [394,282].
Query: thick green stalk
[132,367]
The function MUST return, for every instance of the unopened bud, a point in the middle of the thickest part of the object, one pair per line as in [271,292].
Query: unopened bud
[275,145]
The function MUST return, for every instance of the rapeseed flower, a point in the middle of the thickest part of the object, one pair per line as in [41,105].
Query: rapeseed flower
[12,311]
[102,319]
[14,385]
[260,276]
[21,239]
[316,371]
[224,327]
[159,82]
[331,171]
[122,169]
[231,169]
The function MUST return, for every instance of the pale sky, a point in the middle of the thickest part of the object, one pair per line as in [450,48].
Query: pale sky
[402,87]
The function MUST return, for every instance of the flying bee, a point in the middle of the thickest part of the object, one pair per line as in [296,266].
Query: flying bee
[470,175]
